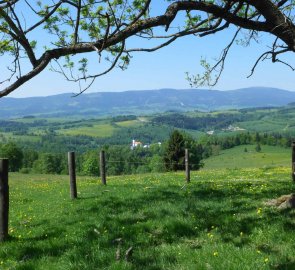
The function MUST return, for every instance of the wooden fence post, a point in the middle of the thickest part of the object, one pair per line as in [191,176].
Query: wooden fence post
[103,168]
[293,160]
[4,199]
[72,174]
[187,169]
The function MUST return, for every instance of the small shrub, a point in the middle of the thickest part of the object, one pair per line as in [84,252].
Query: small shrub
[24,170]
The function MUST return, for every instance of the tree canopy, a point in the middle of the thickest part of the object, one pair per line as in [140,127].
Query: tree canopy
[174,154]
[58,34]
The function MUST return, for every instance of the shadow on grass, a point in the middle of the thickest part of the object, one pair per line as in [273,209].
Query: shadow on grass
[151,218]
[287,265]
[226,209]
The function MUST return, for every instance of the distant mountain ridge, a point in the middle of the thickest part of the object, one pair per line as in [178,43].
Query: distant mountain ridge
[144,101]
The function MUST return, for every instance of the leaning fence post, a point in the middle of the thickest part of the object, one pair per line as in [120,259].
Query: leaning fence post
[103,168]
[293,160]
[4,199]
[72,174]
[187,169]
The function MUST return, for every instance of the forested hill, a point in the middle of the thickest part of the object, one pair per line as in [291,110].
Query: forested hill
[140,102]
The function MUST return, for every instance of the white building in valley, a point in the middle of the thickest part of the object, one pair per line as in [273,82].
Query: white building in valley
[135,144]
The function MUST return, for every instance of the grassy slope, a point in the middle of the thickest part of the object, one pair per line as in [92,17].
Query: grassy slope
[9,136]
[238,158]
[129,123]
[217,222]
[264,125]
[99,130]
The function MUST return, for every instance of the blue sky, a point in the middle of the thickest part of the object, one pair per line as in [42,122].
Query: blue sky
[166,69]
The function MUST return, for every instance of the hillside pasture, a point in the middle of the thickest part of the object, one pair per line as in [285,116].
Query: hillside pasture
[129,123]
[269,156]
[96,130]
[268,125]
[9,136]
[218,221]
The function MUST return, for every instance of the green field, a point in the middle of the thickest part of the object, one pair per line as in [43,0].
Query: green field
[130,123]
[99,130]
[216,222]
[270,156]
[265,126]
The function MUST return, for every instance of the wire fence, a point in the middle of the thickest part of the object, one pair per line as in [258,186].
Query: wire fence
[148,163]
[4,189]
[183,165]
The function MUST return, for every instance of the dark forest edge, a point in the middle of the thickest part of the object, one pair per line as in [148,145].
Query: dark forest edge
[124,160]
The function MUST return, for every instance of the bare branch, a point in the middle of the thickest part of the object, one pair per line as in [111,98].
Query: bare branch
[48,15]
[273,55]
[5,3]
[93,77]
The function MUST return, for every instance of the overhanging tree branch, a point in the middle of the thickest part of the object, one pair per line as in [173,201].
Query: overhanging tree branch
[79,27]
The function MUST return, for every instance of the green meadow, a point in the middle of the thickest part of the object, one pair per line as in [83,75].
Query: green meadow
[130,123]
[269,125]
[96,130]
[245,156]
[218,221]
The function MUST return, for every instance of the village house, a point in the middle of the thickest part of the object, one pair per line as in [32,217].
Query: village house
[135,144]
